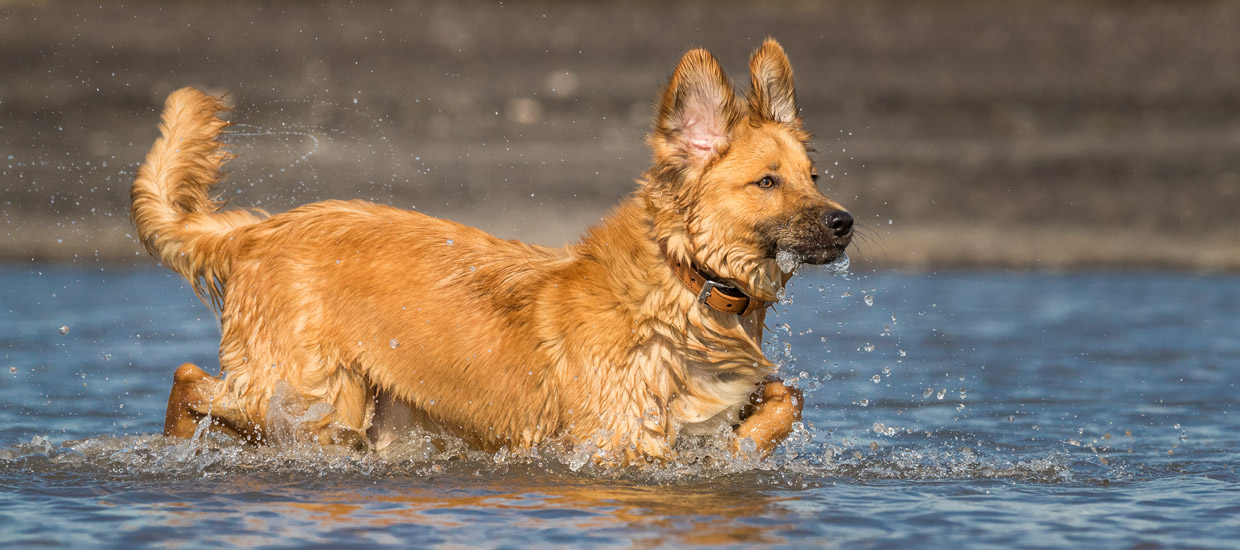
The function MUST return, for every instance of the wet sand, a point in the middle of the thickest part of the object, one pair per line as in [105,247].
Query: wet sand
[967,135]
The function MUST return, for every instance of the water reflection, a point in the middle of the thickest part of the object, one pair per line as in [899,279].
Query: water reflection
[455,507]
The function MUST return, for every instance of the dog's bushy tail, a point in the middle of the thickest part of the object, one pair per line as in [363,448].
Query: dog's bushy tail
[177,221]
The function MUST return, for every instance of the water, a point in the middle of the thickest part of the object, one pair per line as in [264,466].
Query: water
[1010,410]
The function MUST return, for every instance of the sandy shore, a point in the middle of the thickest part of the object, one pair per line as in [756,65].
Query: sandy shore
[961,135]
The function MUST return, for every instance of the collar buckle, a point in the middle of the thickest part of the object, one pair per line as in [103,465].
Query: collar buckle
[709,286]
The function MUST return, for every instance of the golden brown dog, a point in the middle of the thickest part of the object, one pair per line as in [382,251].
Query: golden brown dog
[368,320]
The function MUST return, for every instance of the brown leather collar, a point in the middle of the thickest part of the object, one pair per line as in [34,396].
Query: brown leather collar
[719,296]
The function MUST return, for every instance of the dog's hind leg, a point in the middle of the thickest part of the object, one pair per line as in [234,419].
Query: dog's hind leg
[195,394]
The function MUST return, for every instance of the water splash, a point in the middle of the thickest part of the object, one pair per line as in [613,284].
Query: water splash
[839,267]
[787,260]
[699,457]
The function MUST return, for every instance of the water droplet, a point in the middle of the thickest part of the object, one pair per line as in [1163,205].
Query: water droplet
[781,296]
[960,407]
[451,242]
[902,353]
[846,295]
[868,347]
[64,329]
[886,371]
[876,379]
[394,343]
[941,394]
[926,394]
[864,402]
[869,300]
[12,370]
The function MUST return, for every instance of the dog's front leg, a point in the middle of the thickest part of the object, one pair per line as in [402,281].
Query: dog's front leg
[768,419]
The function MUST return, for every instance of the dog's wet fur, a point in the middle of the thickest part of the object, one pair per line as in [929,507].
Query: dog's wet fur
[366,321]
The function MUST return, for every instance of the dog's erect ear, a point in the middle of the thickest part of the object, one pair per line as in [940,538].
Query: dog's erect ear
[697,112]
[772,94]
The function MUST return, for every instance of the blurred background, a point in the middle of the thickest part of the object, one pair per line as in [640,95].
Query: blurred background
[1026,135]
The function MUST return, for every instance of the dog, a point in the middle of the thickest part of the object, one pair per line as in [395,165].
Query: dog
[368,321]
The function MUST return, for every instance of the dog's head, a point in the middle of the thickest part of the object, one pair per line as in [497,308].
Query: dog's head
[733,183]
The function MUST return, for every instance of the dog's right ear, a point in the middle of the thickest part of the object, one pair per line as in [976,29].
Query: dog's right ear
[697,113]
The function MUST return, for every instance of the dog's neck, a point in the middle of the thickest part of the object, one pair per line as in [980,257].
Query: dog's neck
[712,292]
[627,246]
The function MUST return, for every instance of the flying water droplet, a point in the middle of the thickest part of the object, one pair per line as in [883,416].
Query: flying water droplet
[869,300]
[394,343]
[64,329]
[876,379]
[451,242]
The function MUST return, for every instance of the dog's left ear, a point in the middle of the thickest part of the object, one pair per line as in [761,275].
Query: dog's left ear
[772,94]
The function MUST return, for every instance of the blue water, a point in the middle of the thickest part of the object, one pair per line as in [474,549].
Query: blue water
[965,409]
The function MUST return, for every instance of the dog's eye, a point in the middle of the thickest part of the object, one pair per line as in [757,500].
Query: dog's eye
[766,182]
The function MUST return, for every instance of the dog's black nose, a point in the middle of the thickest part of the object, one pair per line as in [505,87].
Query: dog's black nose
[839,221]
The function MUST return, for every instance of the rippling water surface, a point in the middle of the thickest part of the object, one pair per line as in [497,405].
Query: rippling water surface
[976,410]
